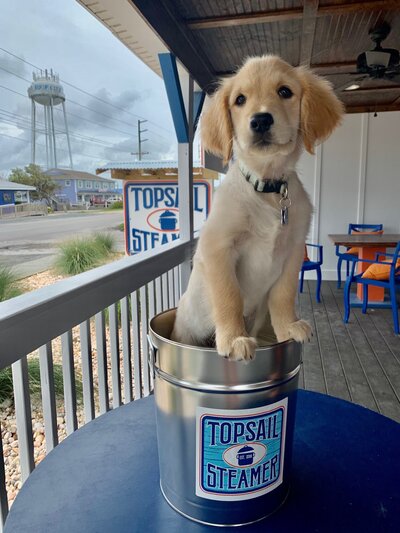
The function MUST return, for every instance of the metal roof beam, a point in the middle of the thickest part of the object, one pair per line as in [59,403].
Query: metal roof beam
[331,69]
[172,30]
[277,15]
[324,69]
[308,32]
[371,108]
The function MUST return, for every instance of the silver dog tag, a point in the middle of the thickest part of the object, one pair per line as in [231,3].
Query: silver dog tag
[284,216]
[285,203]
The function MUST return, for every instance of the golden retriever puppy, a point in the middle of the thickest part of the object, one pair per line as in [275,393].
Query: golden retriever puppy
[251,247]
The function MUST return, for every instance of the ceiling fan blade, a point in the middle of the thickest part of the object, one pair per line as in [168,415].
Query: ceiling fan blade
[350,82]
[393,79]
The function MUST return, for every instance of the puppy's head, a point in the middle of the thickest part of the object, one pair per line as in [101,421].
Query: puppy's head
[267,108]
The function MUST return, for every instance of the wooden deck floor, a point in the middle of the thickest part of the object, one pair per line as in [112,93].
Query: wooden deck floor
[358,361]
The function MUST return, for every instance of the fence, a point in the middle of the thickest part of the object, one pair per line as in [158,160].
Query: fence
[22,210]
[110,306]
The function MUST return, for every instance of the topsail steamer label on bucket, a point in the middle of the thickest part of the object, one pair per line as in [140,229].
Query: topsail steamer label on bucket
[240,453]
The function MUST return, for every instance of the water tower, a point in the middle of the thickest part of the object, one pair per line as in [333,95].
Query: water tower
[47,91]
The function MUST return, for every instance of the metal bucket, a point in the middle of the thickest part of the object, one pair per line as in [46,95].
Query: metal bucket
[225,428]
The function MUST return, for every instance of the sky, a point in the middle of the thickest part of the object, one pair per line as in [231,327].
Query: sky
[62,35]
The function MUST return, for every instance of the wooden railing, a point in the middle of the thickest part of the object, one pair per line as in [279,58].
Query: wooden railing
[105,310]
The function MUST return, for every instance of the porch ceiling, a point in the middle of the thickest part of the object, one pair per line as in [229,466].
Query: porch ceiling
[211,38]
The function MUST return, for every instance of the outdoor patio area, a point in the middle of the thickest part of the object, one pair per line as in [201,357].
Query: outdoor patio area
[358,361]
[95,326]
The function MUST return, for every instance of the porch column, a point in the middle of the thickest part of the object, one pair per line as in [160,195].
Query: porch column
[181,100]
[185,179]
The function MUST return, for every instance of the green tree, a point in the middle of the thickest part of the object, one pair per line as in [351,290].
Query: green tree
[33,175]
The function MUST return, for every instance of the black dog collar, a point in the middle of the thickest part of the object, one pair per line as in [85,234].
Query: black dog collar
[270,185]
[267,185]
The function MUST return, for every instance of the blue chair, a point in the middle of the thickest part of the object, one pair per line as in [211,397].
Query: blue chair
[392,284]
[345,256]
[313,265]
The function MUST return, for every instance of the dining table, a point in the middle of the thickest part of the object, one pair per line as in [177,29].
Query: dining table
[368,246]
[104,478]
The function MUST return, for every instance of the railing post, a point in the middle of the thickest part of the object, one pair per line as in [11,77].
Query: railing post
[3,490]
[48,396]
[23,416]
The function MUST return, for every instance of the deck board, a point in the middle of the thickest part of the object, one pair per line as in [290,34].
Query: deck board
[314,374]
[358,361]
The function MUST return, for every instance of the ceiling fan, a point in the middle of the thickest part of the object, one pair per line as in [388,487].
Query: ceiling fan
[379,63]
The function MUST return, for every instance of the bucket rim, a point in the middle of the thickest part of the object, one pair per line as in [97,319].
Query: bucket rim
[206,348]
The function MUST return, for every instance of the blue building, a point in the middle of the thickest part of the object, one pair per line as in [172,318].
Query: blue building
[14,193]
[77,187]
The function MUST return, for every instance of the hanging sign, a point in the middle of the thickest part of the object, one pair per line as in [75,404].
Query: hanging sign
[151,210]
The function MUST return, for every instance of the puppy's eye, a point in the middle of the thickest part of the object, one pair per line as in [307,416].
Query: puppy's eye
[285,92]
[240,100]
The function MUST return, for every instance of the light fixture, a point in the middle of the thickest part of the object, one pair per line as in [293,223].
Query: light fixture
[352,87]
[378,58]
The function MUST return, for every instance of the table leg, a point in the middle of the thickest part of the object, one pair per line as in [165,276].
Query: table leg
[376,294]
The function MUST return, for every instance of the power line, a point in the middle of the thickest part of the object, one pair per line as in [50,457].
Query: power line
[87,93]
[61,150]
[8,115]
[130,134]
[16,122]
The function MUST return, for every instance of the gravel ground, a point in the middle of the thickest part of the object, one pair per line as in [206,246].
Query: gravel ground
[7,411]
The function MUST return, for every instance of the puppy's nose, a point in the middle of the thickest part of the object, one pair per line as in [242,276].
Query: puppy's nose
[261,122]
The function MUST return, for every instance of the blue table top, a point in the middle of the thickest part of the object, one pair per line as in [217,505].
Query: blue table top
[104,477]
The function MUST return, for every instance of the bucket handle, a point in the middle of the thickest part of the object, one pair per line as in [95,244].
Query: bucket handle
[152,355]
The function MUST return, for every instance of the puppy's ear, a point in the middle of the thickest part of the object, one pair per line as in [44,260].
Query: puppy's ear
[216,124]
[320,112]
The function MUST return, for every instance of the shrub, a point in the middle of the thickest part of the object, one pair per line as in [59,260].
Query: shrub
[78,255]
[8,284]
[117,205]
[81,254]
[121,226]
[6,383]
[105,242]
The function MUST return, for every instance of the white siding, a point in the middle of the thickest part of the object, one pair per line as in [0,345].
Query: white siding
[354,177]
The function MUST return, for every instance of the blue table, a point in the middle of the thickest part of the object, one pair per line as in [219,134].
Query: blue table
[104,477]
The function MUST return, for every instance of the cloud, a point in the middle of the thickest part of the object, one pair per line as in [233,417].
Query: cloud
[90,57]
[12,64]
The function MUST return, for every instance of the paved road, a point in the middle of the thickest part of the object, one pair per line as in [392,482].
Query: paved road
[28,245]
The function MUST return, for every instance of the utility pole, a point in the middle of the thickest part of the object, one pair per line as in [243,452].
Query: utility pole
[139,153]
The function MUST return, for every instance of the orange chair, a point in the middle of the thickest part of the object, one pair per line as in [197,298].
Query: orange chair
[350,254]
[384,274]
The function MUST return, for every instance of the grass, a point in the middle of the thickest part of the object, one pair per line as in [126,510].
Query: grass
[105,242]
[8,284]
[121,226]
[84,253]
[6,383]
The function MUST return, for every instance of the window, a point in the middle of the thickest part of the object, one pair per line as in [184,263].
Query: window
[21,197]
[7,198]
[80,184]
[68,183]
[96,185]
[88,185]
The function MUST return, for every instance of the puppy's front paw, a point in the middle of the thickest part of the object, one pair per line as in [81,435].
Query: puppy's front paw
[237,348]
[299,331]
